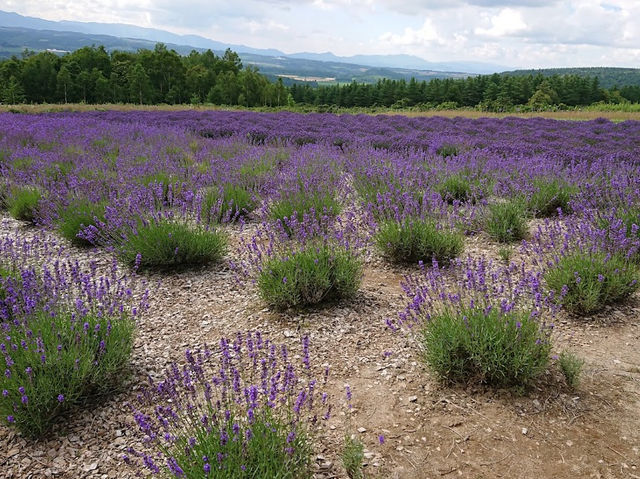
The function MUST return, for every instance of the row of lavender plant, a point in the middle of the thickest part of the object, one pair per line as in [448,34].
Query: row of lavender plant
[141,182]
[174,164]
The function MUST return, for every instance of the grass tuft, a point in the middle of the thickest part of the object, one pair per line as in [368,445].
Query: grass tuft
[571,367]
[460,187]
[24,202]
[352,457]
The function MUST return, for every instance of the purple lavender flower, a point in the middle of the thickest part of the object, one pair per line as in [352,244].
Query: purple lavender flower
[175,469]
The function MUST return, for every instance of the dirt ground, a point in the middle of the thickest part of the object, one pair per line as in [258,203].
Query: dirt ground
[430,430]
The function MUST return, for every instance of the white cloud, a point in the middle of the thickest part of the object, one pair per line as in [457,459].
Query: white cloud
[507,22]
[424,36]
[270,26]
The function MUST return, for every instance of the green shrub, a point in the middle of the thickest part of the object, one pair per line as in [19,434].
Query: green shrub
[456,187]
[418,240]
[24,202]
[167,244]
[234,201]
[352,457]
[447,150]
[476,345]
[549,195]
[310,276]
[571,367]
[300,203]
[586,282]
[81,359]
[78,216]
[507,222]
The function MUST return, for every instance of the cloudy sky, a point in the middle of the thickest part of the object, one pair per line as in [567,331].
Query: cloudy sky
[518,33]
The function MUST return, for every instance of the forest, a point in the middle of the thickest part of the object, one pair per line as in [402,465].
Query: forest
[161,76]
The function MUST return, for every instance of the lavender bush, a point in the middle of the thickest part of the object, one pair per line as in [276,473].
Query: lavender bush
[585,283]
[233,202]
[549,196]
[332,177]
[77,217]
[316,273]
[166,244]
[480,322]
[247,409]
[67,334]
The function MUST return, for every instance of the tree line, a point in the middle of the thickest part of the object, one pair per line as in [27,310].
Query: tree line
[92,75]
[487,92]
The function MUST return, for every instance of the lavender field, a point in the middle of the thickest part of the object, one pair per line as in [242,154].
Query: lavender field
[237,294]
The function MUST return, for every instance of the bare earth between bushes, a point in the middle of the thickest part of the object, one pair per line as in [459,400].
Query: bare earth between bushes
[430,430]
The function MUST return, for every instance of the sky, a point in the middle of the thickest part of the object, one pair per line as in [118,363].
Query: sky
[516,33]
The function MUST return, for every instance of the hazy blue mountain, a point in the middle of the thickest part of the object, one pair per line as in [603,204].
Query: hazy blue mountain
[8,19]
[407,62]
[403,61]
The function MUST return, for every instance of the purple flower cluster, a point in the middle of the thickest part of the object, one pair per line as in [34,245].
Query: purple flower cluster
[212,412]
[475,284]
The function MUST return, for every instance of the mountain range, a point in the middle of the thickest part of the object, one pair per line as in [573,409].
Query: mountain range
[18,32]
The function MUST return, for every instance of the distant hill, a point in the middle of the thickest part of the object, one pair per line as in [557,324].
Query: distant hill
[13,41]
[608,77]
[403,61]
[10,19]
[129,32]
